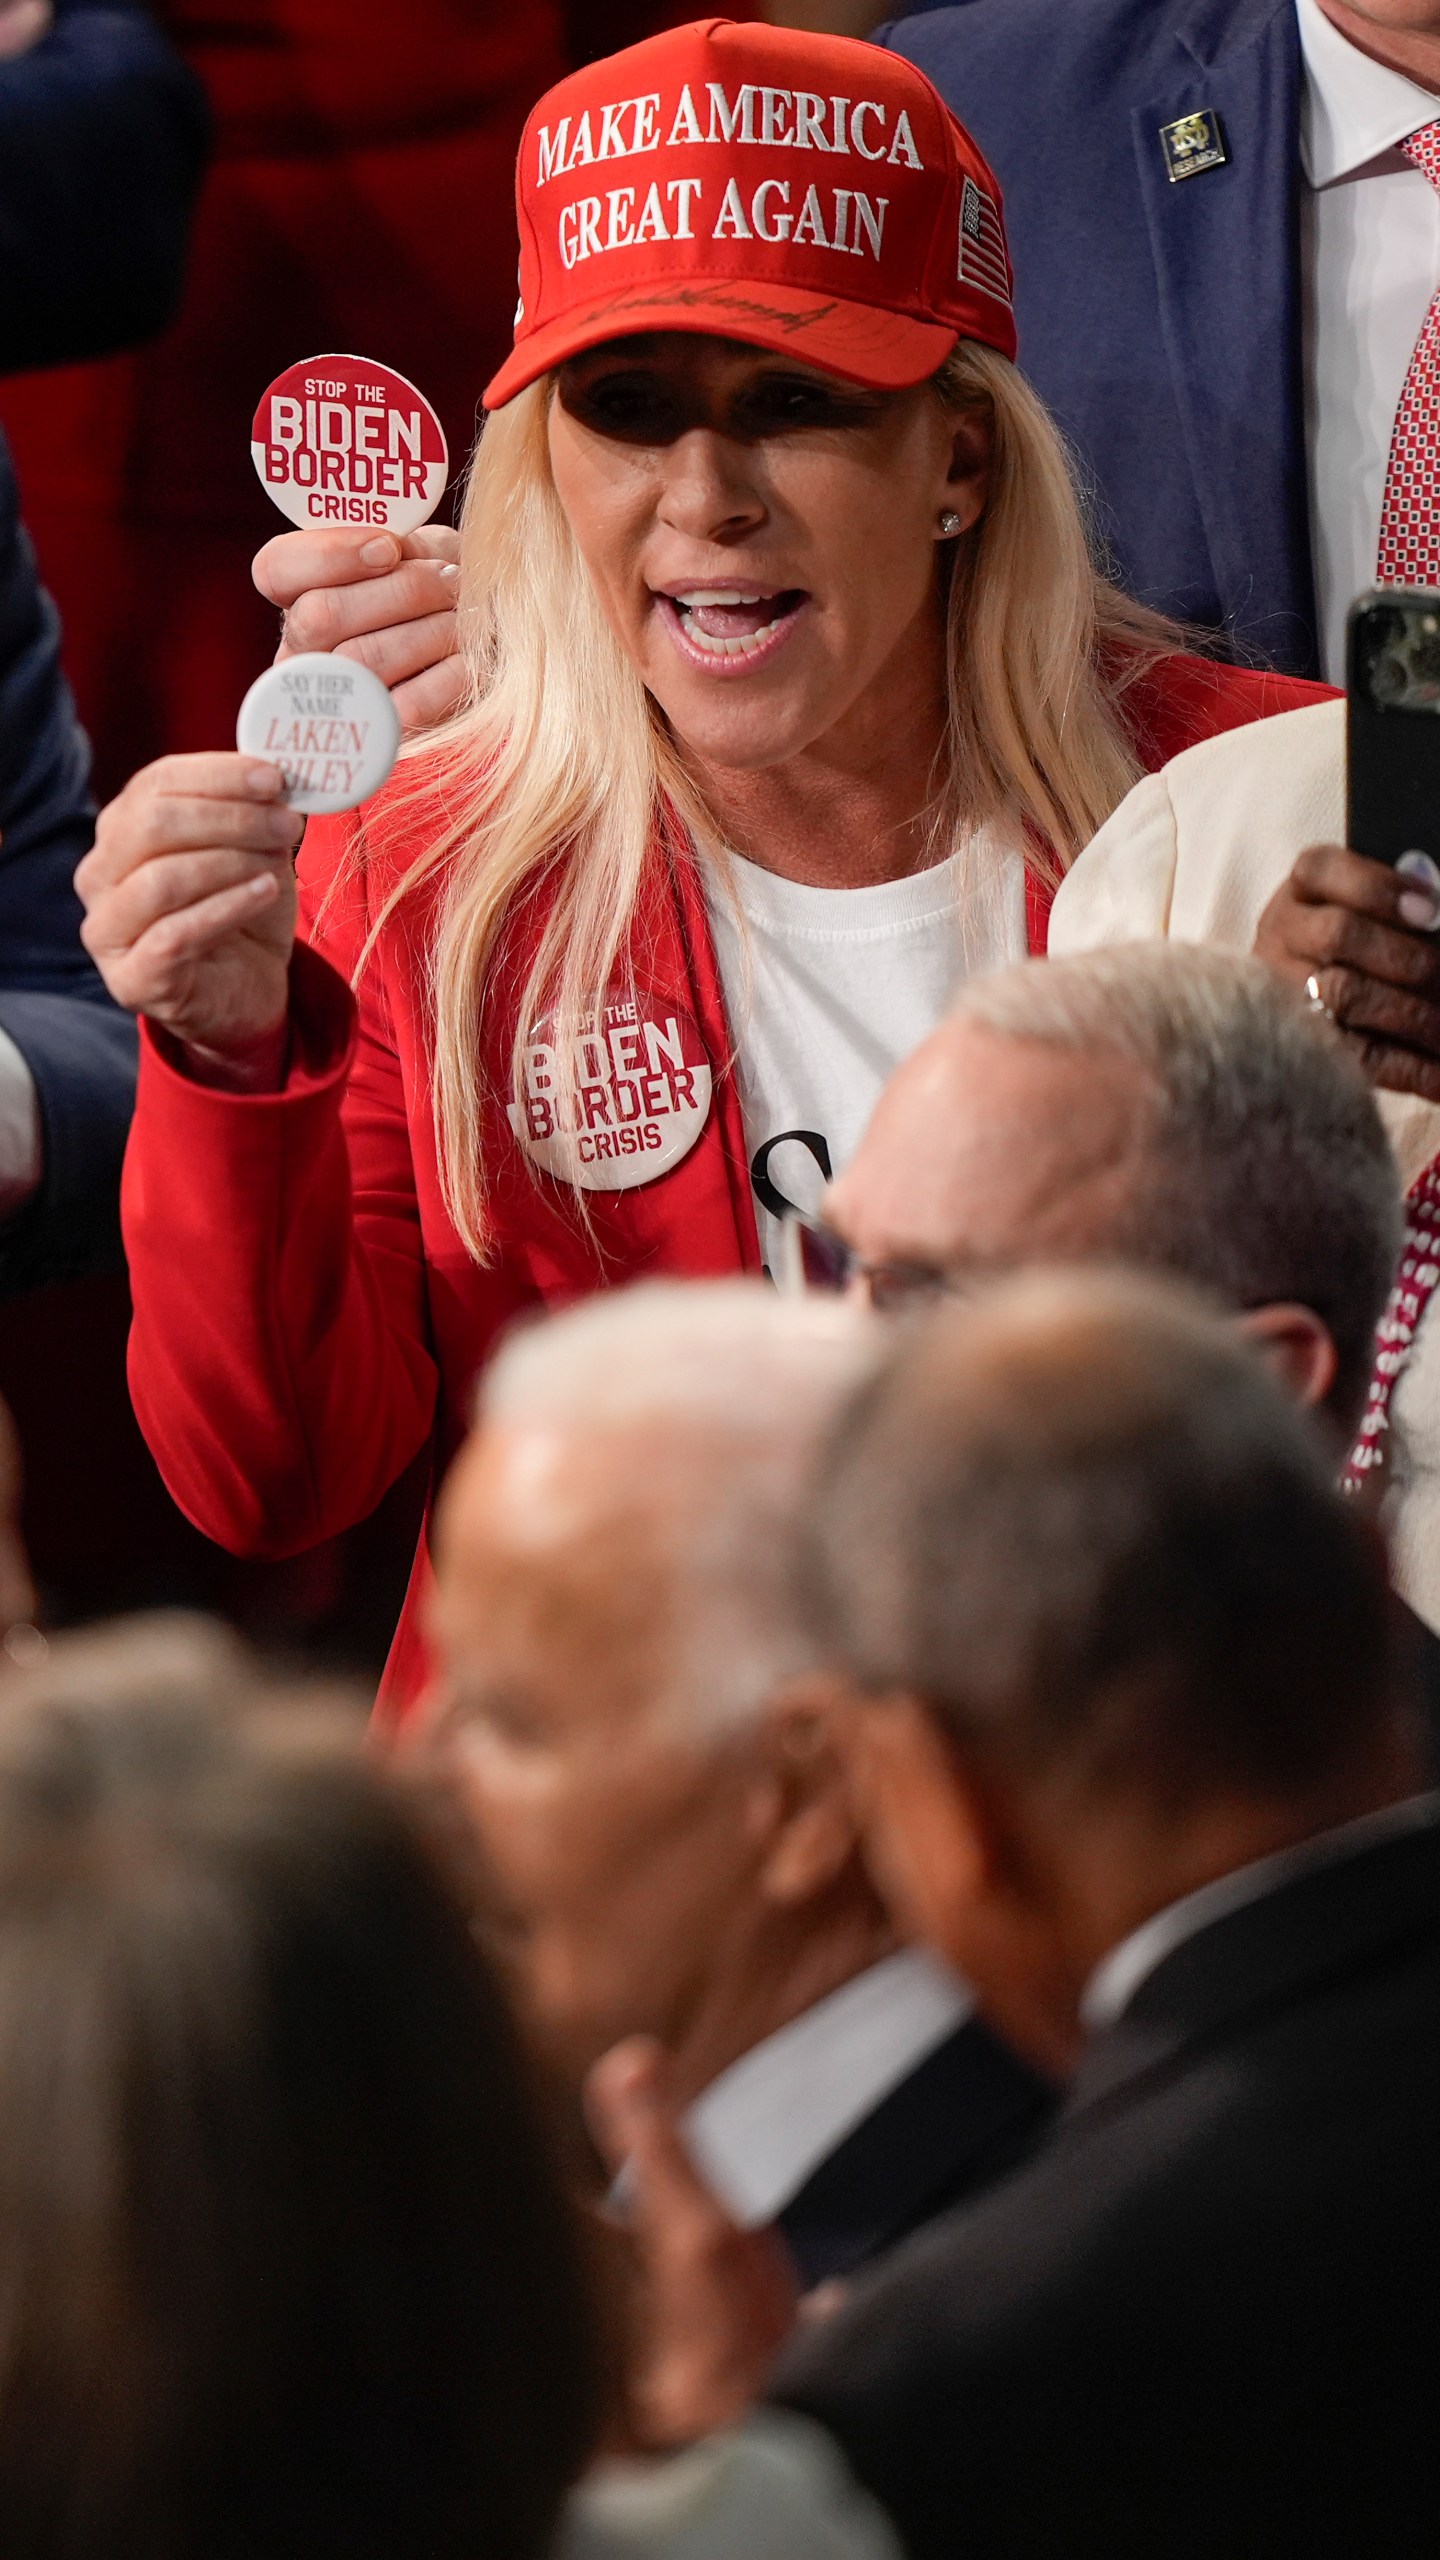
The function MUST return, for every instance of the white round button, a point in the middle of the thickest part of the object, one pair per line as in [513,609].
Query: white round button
[328,723]
[339,440]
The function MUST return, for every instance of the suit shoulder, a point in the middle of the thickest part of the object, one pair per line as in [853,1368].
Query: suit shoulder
[1132,2192]
[1183,700]
[1197,848]
[1103,41]
[1298,754]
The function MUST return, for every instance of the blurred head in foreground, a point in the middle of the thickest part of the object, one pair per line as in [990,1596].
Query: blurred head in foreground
[283,2268]
[1106,1628]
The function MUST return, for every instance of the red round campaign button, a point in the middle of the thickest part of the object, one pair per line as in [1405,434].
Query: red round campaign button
[339,440]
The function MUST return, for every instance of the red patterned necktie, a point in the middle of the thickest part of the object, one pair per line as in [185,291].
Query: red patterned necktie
[1410,512]
[1415,1285]
[1409,557]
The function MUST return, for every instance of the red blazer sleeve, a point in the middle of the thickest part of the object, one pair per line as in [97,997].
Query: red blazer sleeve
[280,1360]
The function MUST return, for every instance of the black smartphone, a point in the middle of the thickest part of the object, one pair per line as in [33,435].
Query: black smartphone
[1393,691]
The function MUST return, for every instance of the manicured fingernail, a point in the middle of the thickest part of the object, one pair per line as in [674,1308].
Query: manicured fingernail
[1420,909]
[264,781]
[379,555]
[449,568]
[262,886]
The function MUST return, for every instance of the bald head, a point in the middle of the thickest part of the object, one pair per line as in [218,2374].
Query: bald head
[1078,1519]
[987,1150]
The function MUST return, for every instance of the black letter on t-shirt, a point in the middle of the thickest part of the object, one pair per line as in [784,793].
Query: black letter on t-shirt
[765,1190]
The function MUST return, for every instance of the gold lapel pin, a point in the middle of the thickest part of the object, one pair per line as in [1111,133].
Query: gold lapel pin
[1193,143]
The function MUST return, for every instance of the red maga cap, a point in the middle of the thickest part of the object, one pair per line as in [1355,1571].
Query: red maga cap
[807,194]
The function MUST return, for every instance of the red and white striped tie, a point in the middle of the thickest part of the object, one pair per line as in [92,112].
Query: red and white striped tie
[1410,512]
[1415,1284]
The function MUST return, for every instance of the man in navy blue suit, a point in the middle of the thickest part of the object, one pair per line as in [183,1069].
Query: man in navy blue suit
[102,143]
[1224,262]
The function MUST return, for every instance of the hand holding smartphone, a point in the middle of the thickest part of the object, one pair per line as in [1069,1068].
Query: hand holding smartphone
[1393,694]
[1356,927]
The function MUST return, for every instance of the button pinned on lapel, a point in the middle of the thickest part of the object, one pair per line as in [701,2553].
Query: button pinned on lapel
[620,1100]
[1191,144]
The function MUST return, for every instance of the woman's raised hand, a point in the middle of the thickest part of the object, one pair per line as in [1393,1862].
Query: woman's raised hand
[189,897]
[388,601]
[189,893]
[1363,932]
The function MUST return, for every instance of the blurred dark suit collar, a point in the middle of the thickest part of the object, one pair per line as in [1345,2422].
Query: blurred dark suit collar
[1323,1924]
[1214,32]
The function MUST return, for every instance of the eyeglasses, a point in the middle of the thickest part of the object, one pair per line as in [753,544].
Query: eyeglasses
[812,1256]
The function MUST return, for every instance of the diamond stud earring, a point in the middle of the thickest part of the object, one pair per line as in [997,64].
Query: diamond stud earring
[949,522]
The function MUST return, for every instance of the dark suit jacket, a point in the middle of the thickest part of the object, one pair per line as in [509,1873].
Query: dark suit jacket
[1160,321]
[1203,2322]
[964,2115]
[80,1049]
[103,135]
[1420,1654]
[102,144]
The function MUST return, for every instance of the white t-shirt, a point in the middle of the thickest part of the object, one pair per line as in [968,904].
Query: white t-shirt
[828,989]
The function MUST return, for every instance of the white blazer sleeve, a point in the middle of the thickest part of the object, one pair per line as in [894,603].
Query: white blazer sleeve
[1122,886]
[1195,852]
[776,2488]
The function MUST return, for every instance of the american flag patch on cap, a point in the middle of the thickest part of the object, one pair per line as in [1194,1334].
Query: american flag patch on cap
[982,244]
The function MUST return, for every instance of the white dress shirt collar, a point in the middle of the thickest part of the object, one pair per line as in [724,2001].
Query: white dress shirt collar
[1118,1976]
[761,2130]
[1352,109]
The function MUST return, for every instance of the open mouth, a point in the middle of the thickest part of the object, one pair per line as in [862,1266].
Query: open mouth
[730,629]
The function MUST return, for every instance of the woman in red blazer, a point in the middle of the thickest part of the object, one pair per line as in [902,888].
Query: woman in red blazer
[791,691]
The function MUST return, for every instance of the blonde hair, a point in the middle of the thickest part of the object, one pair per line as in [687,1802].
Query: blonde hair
[558,772]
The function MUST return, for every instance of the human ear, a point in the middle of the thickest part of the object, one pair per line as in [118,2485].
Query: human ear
[813,1832]
[949,1847]
[928,1840]
[965,484]
[1296,1347]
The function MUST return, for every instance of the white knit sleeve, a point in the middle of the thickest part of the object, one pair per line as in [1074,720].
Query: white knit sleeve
[1121,887]
[777,2488]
